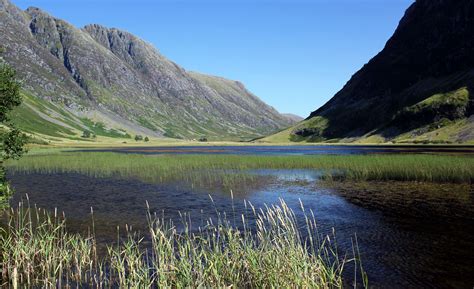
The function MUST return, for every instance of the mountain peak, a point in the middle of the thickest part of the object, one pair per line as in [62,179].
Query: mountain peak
[431,52]
[111,37]
[4,4]
[35,11]
[32,9]
[114,77]
[99,27]
[15,12]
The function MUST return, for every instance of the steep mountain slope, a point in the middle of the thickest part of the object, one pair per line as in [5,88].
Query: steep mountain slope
[418,88]
[96,76]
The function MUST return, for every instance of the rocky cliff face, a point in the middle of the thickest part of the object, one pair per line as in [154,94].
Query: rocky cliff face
[422,81]
[113,77]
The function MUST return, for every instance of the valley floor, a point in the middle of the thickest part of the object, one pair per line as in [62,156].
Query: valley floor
[102,142]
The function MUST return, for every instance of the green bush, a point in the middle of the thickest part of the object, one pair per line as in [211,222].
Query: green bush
[12,141]
[138,137]
[86,134]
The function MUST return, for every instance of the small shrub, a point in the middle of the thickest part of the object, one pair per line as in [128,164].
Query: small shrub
[138,137]
[86,134]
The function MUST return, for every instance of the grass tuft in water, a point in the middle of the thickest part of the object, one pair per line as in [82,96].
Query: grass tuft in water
[229,170]
[267,252]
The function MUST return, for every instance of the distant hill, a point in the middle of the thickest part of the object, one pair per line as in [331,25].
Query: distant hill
[112,83]
[419,88]
[293,117]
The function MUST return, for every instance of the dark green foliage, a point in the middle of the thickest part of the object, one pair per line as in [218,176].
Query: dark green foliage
[9,91]
[86,134]
[13,140]
[138,137]
[203,139]
[147,139]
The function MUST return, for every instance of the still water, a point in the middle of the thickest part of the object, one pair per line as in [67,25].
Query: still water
[410,235]
[293,150]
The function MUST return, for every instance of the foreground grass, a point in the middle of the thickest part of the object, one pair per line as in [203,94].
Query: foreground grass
[423,168]
[37,251]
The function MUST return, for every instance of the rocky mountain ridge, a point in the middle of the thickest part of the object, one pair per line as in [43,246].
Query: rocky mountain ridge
[418,88]
[106,76]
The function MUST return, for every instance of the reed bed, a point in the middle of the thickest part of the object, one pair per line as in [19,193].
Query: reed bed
[231,169]
[262,248]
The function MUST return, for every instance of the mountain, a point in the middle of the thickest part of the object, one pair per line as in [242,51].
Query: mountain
[418,88]
[293,117]
[112,83]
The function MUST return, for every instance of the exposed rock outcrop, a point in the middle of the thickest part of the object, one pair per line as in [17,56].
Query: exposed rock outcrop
[112,72]
[430,54]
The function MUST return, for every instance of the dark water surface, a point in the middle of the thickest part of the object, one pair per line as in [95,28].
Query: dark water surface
[293,150]
[410,235]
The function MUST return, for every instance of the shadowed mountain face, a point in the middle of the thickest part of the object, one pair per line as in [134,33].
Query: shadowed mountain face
[421,82]
[108,76]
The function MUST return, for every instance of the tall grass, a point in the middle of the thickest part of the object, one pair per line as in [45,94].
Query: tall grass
[424,168]
[267,252]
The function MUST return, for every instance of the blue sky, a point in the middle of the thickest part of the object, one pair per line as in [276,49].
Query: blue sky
[293,54]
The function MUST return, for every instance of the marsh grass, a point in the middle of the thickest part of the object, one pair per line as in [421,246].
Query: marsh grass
[231,169]
[262,248]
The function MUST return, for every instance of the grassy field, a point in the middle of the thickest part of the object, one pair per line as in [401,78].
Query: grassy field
[37,251]
[159,168]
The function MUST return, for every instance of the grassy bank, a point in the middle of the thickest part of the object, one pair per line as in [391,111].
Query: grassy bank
[37,251]
[423,168]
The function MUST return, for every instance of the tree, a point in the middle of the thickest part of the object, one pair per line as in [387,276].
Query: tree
[138,137]
[86,134]
[147,139]
[12,140]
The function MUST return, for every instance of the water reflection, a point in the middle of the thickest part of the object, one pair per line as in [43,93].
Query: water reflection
[410,234]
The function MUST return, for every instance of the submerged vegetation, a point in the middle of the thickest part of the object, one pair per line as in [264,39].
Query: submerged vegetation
[159,168]
[270,247]
[263,248]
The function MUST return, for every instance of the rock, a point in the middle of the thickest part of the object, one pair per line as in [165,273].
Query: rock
[431,52]
[116,73]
